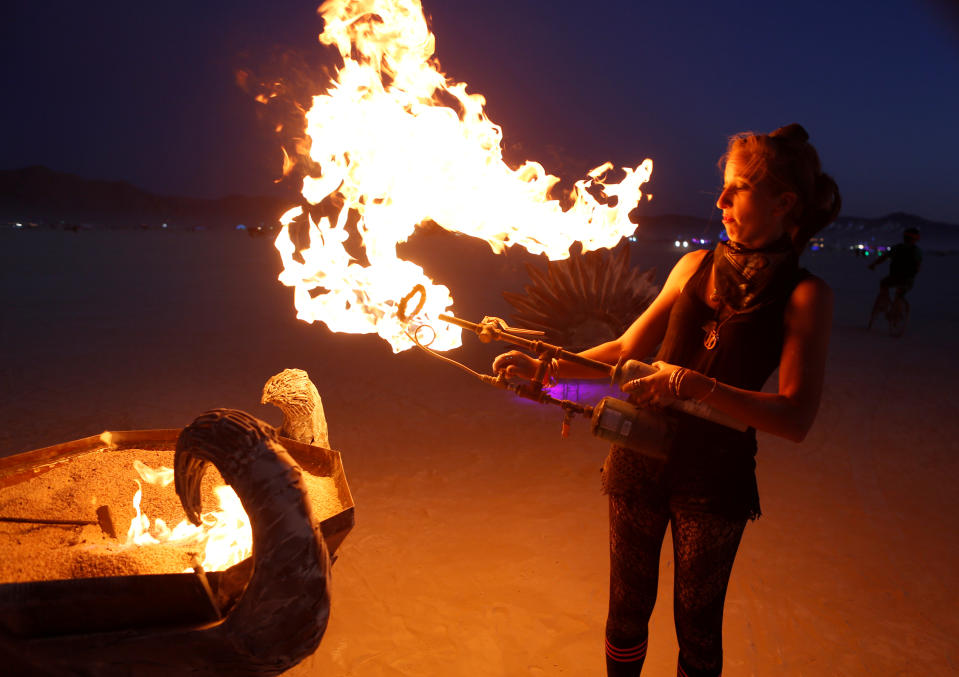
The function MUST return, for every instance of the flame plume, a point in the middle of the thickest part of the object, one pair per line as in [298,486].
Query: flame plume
[398,144]
[224,536]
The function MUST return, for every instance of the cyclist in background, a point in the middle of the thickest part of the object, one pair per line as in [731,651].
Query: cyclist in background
[905,260]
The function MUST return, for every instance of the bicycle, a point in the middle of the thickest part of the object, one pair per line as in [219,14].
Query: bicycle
[895,310]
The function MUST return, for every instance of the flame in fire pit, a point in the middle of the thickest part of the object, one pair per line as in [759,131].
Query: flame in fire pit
[399,144]
[225,535]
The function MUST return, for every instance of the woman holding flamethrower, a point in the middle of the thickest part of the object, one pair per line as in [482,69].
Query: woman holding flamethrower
[724,321]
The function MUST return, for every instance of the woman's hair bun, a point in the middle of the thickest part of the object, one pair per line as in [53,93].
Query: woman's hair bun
[794,132]
[787,160]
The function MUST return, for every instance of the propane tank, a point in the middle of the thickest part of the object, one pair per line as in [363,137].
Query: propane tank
[629,426]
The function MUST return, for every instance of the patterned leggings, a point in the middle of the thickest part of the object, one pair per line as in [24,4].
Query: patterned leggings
[704,546]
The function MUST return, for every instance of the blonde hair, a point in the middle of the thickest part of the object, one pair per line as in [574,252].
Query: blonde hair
[787,162]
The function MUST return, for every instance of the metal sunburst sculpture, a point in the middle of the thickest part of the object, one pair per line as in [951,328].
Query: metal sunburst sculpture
[584,300]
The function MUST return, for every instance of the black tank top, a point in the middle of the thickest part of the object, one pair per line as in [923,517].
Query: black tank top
[749,344]
[709,467]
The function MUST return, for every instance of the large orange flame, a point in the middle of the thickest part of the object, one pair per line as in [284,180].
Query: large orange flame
[224,536]
[399,144]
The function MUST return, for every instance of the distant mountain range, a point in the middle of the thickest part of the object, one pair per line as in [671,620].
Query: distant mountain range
[41,195]
[846,231]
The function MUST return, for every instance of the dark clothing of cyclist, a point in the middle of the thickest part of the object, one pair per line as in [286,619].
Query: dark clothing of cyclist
[905,260]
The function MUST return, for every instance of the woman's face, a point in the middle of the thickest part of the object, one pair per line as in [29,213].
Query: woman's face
[752,214]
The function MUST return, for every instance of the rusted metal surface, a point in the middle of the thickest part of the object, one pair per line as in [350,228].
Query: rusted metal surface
[29,464]
[274,605]
[315,459]
[92,605]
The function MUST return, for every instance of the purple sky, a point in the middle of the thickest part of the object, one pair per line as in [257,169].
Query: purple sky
[147,93]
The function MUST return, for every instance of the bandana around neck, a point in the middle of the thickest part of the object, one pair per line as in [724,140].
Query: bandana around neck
[749,278]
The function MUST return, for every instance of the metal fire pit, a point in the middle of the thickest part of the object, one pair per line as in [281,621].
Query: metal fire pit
[259,617]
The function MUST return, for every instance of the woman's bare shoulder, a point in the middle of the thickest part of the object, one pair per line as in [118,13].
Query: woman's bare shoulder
[685,267]
[811,302]
[812,289]
[693,258]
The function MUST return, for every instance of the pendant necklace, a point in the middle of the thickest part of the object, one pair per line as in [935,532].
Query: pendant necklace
[713,326]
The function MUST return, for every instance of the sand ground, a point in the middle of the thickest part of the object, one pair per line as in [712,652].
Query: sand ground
[480,540]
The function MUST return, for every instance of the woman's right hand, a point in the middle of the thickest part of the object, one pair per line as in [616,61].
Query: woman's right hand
[515,364]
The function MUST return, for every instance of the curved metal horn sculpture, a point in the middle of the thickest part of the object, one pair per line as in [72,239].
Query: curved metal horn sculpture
[294,393]
[283,612]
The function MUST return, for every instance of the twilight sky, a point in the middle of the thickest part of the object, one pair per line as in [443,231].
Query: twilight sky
[147,92]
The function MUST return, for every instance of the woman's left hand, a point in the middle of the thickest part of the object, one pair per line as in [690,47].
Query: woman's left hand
[652,390]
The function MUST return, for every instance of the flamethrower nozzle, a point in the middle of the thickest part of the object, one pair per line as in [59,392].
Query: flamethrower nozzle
[494,328]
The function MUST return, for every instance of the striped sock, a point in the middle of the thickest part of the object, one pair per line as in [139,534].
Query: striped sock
[626,662]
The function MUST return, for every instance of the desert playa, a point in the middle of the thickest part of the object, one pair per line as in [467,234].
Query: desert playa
[480,543]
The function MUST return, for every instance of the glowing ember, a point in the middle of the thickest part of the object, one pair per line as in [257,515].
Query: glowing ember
[399,144]
[224,535]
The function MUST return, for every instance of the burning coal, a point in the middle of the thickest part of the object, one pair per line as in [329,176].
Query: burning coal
[399,143]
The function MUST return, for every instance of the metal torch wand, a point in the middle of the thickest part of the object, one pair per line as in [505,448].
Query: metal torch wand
[495,329]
